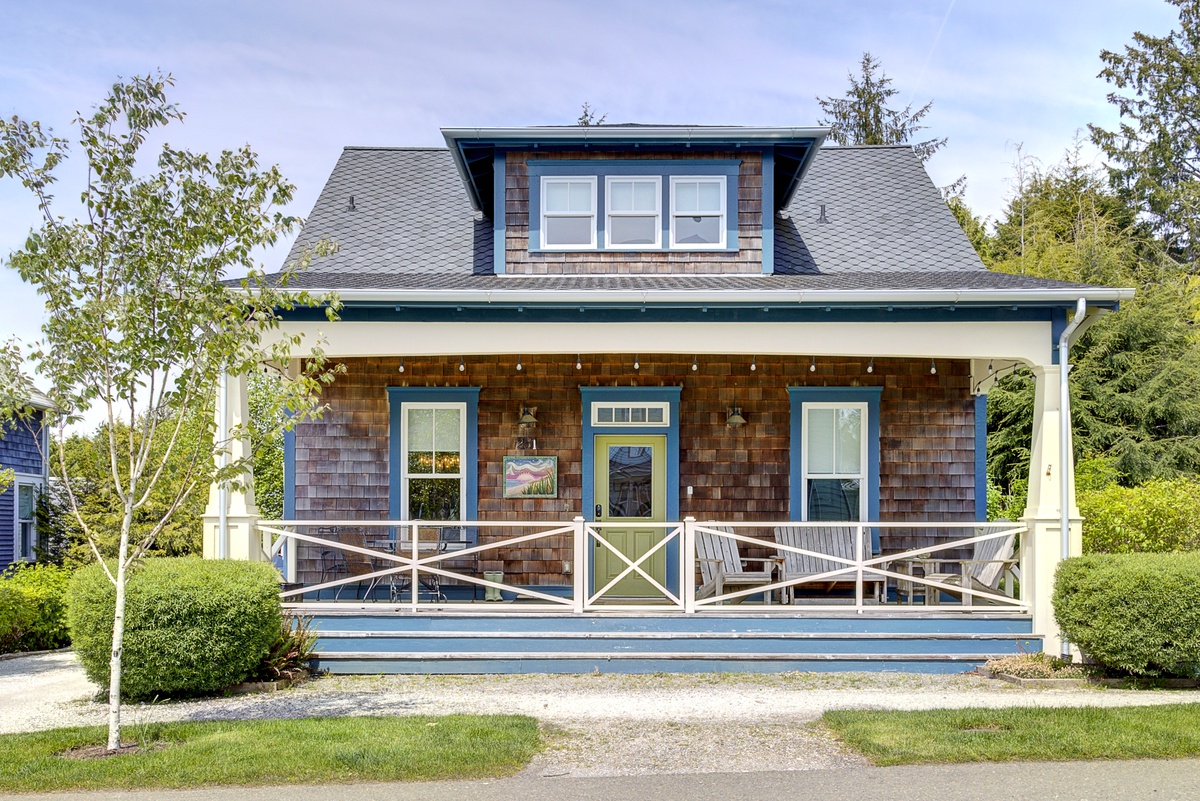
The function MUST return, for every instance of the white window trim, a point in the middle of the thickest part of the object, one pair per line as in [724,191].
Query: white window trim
[609,213]
[548,179]
[405,407]
[722,244]
[863,467]
[38,484]
[598,405]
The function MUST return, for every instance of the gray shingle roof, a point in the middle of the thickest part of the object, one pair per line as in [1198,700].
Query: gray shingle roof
[884,215]
[412,227]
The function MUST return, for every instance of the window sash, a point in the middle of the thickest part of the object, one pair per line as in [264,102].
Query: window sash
[680,191]
[437,475]
[571,212]
[808,476]
[651,211]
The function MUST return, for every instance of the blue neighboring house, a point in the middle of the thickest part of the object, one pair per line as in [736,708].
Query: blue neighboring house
[22,444]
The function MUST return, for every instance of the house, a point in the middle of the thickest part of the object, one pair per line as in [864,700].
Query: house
[22,448]
[591,369]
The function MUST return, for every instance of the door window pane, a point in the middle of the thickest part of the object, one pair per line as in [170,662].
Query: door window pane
[630,481]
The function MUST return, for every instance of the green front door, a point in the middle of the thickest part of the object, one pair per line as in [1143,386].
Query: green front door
[631,489]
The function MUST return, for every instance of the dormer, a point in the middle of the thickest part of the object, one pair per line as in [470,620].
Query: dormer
[632,199]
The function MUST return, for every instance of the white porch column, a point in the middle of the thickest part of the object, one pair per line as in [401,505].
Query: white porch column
[231,516]
[1041,547]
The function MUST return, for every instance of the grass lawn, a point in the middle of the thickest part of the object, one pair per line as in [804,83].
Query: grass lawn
[273,752]
[1021,734]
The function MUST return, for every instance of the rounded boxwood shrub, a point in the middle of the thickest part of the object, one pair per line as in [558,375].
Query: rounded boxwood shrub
[192,626]
[45,589]
[1133,613]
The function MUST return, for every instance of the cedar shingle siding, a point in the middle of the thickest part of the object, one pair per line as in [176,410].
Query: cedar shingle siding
[518,259]
[927,447]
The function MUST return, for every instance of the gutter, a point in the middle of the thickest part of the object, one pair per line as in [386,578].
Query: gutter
[732,297]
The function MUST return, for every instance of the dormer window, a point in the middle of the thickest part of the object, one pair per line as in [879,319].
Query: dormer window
[633,213]
[698,212]
[569,213]
[632,205]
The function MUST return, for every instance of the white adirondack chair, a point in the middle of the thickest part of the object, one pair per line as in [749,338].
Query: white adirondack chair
[832,540]
[993,560]
[722,567]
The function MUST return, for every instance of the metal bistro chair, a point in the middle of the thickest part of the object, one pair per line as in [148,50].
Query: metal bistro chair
[431,582]
[337,563]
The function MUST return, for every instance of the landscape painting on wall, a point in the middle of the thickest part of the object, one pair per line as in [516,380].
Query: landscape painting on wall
[530,476]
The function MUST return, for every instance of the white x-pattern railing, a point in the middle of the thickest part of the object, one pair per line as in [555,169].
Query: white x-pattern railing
[412,561]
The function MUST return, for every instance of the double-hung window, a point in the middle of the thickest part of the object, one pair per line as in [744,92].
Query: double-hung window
[432,480]
[834,459]
[633,212]
[568,212]
[698,212]
[26,533]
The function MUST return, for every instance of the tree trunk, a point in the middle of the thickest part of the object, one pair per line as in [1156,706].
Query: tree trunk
[118,637]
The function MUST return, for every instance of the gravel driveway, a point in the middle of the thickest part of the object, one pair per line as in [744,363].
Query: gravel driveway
[597,725]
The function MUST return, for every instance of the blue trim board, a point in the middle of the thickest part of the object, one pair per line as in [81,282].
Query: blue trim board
[599,312]
[668,395]
[869,395]
[466,395]
[289,474]
[498,214]
[768,212]
[663,169]
[981,457]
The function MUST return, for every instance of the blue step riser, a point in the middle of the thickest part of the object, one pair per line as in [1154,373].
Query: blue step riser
[515,648]
[950,624]
[579,666]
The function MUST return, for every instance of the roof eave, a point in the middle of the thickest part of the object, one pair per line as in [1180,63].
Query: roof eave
[773,297]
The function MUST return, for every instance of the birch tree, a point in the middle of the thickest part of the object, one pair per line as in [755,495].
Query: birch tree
[141,319]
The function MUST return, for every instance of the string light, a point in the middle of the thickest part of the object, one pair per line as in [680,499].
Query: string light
[753,363]
[462,366]
[932,367]
[812,367]
[402,365]
[578,362]
[695,366]
[871,366]
[636,364]
[518,364]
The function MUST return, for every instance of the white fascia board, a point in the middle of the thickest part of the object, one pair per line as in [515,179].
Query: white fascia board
[766,297]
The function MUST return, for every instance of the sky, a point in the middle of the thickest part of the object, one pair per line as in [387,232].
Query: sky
[300,79]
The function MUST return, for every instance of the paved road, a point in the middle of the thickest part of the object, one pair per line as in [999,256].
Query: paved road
[1146,780]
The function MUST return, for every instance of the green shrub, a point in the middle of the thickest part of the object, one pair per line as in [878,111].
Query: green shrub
[17,614]
[45,588]
[192,626]
[1133,613]
[1156,517]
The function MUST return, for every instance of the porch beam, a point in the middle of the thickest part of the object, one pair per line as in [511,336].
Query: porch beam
[1023,341]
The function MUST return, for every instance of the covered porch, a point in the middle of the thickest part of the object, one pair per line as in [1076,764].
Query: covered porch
[736,523]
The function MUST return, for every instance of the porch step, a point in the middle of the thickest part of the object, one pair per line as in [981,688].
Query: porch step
[398,642]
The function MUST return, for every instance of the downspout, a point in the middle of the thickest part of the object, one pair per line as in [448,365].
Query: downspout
[1064,433]
[223,487]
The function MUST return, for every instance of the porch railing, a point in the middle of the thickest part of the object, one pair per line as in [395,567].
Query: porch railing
[431,565]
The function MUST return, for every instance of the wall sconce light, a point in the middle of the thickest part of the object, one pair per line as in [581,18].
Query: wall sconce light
[525,425]
[735,419]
